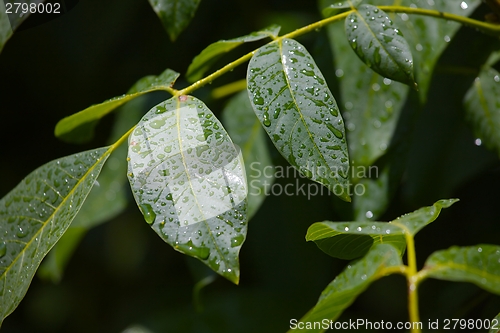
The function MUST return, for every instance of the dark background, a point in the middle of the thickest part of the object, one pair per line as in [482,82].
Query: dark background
[123,274]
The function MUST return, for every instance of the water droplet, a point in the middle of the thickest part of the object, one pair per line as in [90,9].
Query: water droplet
[21,232]
[464,5]
[419,47]
[266,121]
[496,78]
[258,100]
[335,131]
[3,249]
[369,215]
[478,142]
[358,229]
[149,214]
[339,73]
[388,231]
[447,39]
[375,87]
[236,241]
[190,249]
[387,81]
[346,228]
[479,250]
[363,277]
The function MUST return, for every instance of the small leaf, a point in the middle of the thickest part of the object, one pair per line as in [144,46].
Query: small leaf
[350,240]
[92,114]
[202,62]
[36,213]
[299,113]
[175,15]
[333,7]
[415,221]
[342,291]
[245,130]
[188,179]
[478,264]
[379,44]
[481,106]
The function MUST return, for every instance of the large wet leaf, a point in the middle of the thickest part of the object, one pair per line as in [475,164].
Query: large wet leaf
[299,113]
[175,15]
[478,264]
[189,181]
[380,44]
[482,104]
[36,213]
[79,127]
[106,200]
[350,240]
[202,62]
[245,131]
[342,291]
[428,36]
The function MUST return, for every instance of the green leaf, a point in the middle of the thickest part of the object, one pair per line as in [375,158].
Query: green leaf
[478,264]
[106,200]
[5,26]
[188,179]
[417,220]
[175,15]
[333,7]
[350,240]
[299,113]
[36,213]
[88,118]
[495,324]
[245,130]
[482,108]
[429,36]
[344,289]
[380,44]
[202,62]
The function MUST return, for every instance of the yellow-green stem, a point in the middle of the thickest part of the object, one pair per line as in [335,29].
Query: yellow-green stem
[412,283]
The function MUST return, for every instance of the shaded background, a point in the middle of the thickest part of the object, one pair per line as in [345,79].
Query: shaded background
[123,274]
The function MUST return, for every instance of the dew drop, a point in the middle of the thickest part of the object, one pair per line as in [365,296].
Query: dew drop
[369,215]
[346,228]
[464,5]
[258,100]
[478,142]
[3,249]
[447,39]
[21,232]
[359,229]
[236,241]
[339,73]
[496,78]
[149,214]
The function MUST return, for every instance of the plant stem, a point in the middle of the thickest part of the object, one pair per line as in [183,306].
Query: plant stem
[412,283]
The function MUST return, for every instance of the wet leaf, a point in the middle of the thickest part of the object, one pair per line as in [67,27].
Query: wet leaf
[245,131]
[188,179]
[482,108]
[299,113]
[380,44]
[175,15]
[478,264]
[89,117]
[106,200]
[429,36]
[36,213]
[202,62]
[353,281]
[5,26]
[350,240]
[333,7]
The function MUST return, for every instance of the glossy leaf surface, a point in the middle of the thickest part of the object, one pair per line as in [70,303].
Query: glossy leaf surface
[478,264]
[87,118]
[380,44]
[344,289]
[175,15]
[482,104]
[188,179]
[36,213]
[299,113]
[245,131]
[202,62]
[333,7]
[350,240]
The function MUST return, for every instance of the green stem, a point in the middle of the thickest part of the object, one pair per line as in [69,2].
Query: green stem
[483,26]
[121,140]
[412,283]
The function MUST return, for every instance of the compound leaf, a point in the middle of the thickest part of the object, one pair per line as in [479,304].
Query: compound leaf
[299,113]
[380,44]
[82,123]
[36,213]
[482,103]
[478,264]
[175,15]
[344,289]
[189,181]
[202,62]
[245,130]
